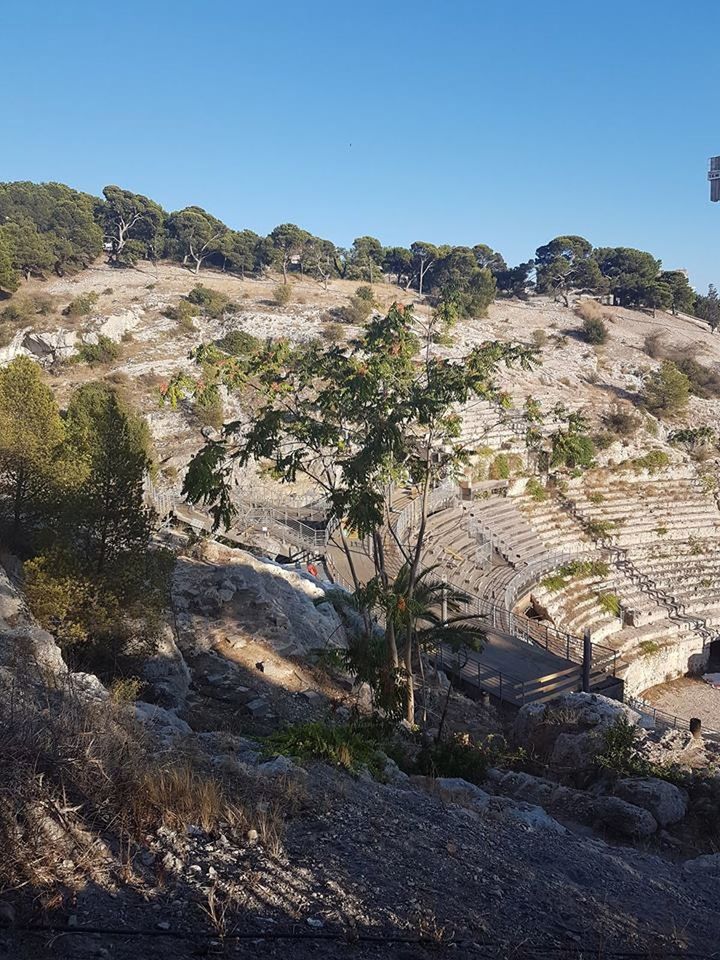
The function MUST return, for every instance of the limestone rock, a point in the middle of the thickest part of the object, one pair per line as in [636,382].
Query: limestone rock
[666,802]
[703,867]
[162,721]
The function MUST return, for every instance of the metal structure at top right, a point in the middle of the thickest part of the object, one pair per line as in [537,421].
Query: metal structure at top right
[714,178]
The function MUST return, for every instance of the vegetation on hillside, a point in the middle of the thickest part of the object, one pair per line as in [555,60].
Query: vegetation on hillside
[50,227]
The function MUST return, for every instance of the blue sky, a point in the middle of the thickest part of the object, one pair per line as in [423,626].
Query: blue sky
[454,122]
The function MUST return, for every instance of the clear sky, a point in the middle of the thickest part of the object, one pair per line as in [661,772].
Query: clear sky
[461,122]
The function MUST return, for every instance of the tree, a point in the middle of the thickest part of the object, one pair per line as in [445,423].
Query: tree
[354,420]
[682,295]
[240,250]
[424,256]
[366,258]
[488,258]
[457,277]
[8,274]
[631,274]
[566,264]
[707,308]
[195,235]
[571,445]
[667,390]
[132,225]
[110,444]
[63,219]
[515,281]
[319,259]
[31,432]
[287,242]
[31,251]
[399,260]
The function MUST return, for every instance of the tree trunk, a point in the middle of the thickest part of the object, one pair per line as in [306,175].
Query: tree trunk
[410,715]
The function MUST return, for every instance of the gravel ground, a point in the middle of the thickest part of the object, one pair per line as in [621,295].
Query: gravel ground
[362,858]
[688,697]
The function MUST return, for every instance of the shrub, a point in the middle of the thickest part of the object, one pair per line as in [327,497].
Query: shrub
[653,461]
[460,757]
[666,390]
[183,314]
[282,294]
[655,345]
[211,412]
[212,302]
[595,330]
[539,338]
[365,293]
[358,310]
[238,343]
[104,351]
[81,306]
[536,490]
[621,422]
[704,382]
[620,754]
[610,603]
[504,466]
[352,746]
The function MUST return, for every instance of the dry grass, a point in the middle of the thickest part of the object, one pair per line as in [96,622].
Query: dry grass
[83,787]
[592,310]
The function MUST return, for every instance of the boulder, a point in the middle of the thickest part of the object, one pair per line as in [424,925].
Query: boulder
[666,802]
[703,867]
[279,766]
[610,813]
[532,816]
[161,721]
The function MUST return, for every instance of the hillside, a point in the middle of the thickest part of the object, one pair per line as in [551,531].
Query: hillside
[232,833]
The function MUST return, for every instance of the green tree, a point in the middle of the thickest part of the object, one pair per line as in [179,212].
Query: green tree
[565,264]
[631,274]
[456,276]
[31,251]
[195,235]
[489,259]
[8,274]
[286,243]
[366,258]
[133,226]
[399,260]
[31,433]
[682,295]
[707,308]
[424,255]
[515,281]
[110,445]
[240,250]
[667,390]
[571,444]
[355,421]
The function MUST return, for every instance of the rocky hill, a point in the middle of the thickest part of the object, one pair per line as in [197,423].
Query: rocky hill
[184,824]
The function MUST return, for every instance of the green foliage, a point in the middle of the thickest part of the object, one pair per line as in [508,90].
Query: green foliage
[693,438]
[610,603]
[460,757]
[621,422]
[31,434]
[212,303]
[573,570]
[600,529]
[133,226]
[596,497]
[632,276]
[681,295]
[504,465]
[653,461]
[359,309]
[210,411]
[565,264]
[47,226]
[8,274]
[621,755]
[536,490]
[282,295]
[238,343]
[704,382]
[81,306]
[184,313]
[666,390]
[104,351]
[572,450]
[353,746]
[595,330]
[193,235]
[707,308]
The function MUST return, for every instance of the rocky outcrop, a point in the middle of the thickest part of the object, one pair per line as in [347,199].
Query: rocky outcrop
[613,814]
[24,646]
[233,596]
[666,802]
[569,730]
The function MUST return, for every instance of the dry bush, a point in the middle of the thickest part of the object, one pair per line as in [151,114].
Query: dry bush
[592,310]
[76,774]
